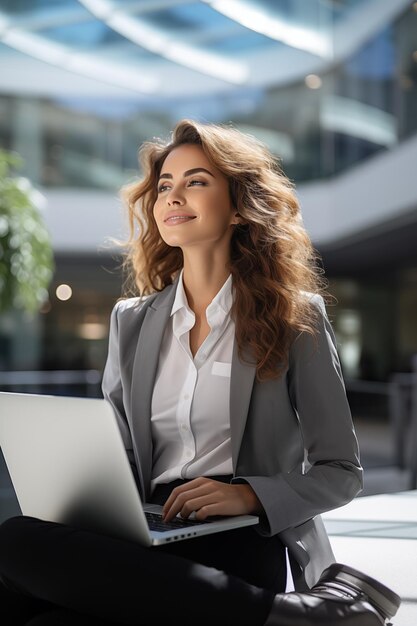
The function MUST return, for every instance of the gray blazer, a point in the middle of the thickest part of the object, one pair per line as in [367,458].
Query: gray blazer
[292,439]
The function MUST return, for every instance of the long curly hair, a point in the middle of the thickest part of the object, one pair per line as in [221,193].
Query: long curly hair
[273,264]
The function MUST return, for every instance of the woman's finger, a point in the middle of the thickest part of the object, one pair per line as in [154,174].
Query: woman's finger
[176,505]
[191,488]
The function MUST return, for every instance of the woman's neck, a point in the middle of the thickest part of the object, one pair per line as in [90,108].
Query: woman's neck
[202,282]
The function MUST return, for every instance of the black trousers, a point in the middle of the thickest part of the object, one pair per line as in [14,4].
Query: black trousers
[58,575]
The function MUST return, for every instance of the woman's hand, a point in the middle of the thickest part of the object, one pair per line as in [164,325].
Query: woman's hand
[204,497]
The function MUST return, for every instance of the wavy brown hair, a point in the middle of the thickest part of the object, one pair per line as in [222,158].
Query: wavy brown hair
[273,263]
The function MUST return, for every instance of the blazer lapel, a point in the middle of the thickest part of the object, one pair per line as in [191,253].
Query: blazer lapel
[143,378]
[241,384]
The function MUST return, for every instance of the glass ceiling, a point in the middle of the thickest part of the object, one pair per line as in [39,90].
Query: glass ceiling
[222,40]
[322,82]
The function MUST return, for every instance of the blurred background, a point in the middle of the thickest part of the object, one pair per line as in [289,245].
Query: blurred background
[329,85]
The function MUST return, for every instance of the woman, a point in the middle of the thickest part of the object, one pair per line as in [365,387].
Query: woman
[228,392]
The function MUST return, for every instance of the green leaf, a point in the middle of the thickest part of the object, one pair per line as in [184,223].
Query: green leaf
[26,256]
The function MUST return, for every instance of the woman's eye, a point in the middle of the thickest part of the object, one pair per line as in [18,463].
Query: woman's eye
[190,183]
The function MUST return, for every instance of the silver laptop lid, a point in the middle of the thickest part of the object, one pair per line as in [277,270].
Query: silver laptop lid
[68,464]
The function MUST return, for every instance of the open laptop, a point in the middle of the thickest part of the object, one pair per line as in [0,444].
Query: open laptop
[68,464]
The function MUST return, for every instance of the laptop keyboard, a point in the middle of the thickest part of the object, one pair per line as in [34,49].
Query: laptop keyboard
[155,522]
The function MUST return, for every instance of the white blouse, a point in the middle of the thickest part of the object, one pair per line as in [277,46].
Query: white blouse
[190,404]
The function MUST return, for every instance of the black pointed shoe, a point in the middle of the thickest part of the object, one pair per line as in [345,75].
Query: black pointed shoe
[343,596]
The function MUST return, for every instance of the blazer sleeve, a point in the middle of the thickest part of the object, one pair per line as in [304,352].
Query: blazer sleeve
[112,385]
[331,475]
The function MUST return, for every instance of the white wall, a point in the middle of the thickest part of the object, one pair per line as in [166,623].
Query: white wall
[83,220]
[380,189]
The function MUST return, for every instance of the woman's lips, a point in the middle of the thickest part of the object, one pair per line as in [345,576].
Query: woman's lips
[178,219]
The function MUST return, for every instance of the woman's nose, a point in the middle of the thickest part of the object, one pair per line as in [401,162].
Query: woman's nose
[175,196]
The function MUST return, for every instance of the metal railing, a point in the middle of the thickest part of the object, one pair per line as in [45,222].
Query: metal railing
[401,397]
[403,412]
[57,382]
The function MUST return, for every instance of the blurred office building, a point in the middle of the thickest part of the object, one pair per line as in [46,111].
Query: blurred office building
[329,85]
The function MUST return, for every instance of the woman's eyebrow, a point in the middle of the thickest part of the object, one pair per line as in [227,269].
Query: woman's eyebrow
[194,170]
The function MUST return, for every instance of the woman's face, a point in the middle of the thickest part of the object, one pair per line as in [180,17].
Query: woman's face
[193,207]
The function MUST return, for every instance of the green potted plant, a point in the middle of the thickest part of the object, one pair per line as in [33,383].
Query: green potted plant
[26,257]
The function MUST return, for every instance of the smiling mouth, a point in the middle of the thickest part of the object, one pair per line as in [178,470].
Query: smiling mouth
[179,218]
